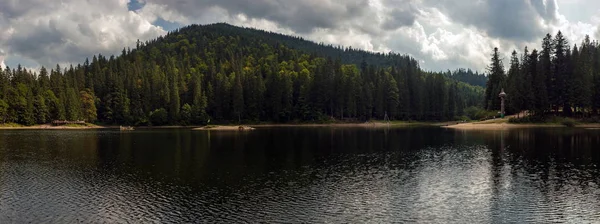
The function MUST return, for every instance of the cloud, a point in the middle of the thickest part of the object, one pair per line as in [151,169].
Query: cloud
[70,31]
[519,20]
[441,34]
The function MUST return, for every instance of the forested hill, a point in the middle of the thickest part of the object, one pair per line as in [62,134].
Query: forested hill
[224,73]
[346,55]
[468,76]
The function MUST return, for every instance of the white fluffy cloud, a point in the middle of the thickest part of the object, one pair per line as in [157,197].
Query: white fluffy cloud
[441,34]
[51,32]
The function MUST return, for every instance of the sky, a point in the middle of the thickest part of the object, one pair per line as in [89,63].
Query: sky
[440,34]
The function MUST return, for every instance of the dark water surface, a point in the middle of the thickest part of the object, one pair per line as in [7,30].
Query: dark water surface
[295,175]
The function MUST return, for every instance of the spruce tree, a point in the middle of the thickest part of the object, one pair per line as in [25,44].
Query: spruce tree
[496,80]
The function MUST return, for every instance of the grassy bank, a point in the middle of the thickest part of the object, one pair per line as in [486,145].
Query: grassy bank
[553,120]
[51,127]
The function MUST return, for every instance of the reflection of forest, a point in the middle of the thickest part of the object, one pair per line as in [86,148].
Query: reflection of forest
[308,172]
[534,167]
[577,146]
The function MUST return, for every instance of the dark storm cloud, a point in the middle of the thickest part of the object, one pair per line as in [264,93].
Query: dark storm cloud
[519,20]
[44,43]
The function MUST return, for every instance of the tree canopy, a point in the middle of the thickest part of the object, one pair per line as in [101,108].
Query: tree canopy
[231,74]
[556,80]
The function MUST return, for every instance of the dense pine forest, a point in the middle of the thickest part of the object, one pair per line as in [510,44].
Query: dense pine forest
[557,80]
[227,74]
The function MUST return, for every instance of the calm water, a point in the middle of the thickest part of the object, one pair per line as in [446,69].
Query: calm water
[300,175]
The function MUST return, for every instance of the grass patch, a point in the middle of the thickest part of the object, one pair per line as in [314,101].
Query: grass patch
[75,125]
[569,122]
[86,125]
[566,121]
[11,125]
[494,121]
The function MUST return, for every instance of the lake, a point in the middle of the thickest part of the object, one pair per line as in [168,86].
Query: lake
[299,175]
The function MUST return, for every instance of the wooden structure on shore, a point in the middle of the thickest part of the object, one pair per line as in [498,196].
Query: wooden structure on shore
[65,122]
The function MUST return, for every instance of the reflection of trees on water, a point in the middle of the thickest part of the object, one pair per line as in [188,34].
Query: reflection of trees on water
[559,145]
[543,164]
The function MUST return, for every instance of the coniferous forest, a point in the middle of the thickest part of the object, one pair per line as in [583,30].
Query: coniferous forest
[229,74]
[556,80]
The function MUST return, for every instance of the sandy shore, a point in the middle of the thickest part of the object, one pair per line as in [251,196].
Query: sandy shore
[498,126]
[502,124]
[340,125]
[225,128]
[364,124]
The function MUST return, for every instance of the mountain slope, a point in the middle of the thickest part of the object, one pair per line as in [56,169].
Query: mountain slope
[346,55]
[231,74]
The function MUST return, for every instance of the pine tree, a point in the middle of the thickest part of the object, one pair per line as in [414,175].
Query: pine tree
[546,70]
[496,79]
[41,111]
[540,94]
[561,77]
[514,80]
[73,107]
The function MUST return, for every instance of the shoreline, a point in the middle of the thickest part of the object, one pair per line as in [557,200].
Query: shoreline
[52,127]
[496,124]
[246,127]
[502,124]
[222,127]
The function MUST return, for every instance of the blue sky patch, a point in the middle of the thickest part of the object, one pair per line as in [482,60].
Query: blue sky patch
[13,61]
[167,25]
[134,5]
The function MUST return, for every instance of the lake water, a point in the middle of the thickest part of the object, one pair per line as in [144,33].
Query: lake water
[336,175]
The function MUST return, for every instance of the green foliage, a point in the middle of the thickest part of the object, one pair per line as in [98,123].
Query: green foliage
[55,107]
[566,121]
[10,125]
[231,74]
[526,120]
[186,114]
[88,105]
[159,117]
[41,110]
[3,111]
[556,81]
[569,122]
[468,76]
[477,113]
[496,82]
[73,105]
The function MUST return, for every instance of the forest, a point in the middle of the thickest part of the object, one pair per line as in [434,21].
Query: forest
[557,80]
[220,73]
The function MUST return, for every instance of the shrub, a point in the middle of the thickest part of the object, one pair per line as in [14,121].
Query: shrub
[159,116]
[528,119]
[594,119]
[569,122]
[476,113]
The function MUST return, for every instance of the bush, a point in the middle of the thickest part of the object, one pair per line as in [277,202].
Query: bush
[569,122]
[159,117]
[476,113]
[525,120]
[591,120]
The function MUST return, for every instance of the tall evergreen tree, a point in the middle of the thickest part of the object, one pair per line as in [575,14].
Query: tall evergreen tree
[496,81]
